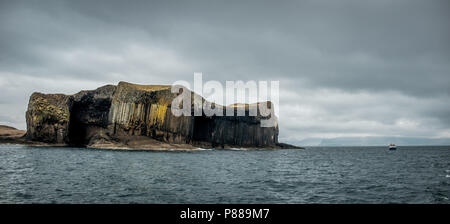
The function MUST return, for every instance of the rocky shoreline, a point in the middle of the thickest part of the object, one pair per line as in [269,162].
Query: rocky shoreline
[11,135]
[136,117]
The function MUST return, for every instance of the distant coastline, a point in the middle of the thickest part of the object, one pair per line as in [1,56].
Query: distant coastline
[372,141]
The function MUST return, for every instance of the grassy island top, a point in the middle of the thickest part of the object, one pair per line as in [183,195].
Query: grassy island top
[148,88]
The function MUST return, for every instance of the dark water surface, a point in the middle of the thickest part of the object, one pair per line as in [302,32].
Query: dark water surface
[314,175]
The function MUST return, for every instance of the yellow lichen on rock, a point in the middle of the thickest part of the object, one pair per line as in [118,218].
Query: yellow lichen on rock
[48,117]
[43,109]
[157,115]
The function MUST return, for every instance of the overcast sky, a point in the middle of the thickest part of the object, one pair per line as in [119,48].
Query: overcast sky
[346,68]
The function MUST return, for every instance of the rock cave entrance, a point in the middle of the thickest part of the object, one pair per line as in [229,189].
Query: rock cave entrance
[203,127]
[77,130]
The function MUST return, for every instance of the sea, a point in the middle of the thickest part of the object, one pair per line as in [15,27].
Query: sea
[312,175]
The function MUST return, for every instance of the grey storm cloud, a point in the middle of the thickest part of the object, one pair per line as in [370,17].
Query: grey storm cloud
[345,67]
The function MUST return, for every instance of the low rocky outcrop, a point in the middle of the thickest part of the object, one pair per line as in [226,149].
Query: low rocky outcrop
[130,116]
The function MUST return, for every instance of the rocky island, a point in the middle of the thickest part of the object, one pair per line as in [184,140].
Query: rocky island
[131,116]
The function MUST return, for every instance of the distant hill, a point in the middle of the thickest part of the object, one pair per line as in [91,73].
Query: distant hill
[7,133]
[5,127]
[372,141]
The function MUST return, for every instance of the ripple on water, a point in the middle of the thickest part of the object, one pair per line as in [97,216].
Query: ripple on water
[23,195]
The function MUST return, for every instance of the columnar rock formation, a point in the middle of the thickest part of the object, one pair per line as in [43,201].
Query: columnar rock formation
[145,110]
[115,116]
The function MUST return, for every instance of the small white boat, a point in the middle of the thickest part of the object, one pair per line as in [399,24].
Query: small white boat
[392,147]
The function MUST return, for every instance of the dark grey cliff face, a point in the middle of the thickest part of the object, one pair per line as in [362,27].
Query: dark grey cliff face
[89,115]
[116,113]
[245,131]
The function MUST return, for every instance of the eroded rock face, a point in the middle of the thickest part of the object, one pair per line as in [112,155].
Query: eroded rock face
[48,117]
[89,115]
[116,114]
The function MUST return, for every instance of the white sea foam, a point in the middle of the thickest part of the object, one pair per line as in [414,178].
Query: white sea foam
[203,149]
[237,149]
